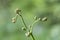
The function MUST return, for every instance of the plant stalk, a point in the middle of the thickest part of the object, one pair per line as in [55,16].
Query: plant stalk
[23,20]
[32,36]
[26,26]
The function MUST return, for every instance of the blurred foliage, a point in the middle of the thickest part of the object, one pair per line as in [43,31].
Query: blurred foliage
[49,30]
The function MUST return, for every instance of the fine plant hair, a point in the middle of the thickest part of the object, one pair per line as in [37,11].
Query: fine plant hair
[30,27]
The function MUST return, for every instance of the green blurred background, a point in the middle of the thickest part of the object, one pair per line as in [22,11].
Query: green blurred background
[49,30]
